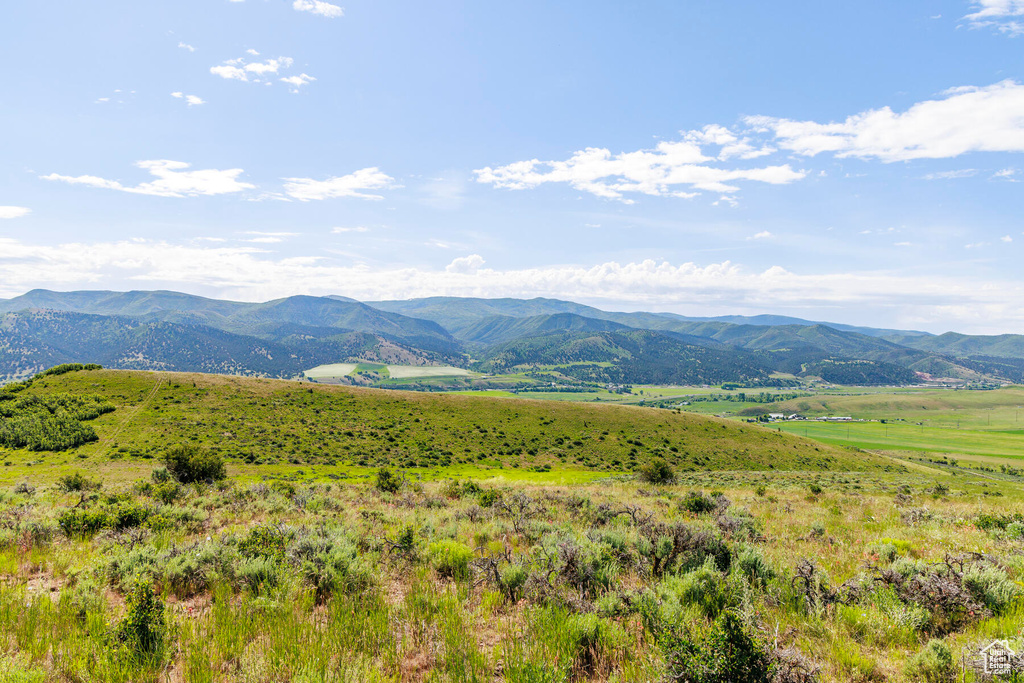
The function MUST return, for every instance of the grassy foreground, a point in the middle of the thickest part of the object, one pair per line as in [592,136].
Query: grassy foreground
[799,577]
[518,546]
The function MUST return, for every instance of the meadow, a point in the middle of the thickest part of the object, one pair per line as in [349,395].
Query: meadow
[181,542]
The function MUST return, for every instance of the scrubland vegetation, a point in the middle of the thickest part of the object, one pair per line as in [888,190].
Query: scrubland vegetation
[779,577]
[193,564]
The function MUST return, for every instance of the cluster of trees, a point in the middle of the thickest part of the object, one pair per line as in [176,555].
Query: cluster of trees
[48,423]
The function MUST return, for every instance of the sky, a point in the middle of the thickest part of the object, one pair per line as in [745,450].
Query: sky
[850,162]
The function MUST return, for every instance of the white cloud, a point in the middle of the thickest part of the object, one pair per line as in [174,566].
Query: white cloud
[657,172]
[251,273]
[186,46]
[977,245]
[297,81]
[252,52]
[359,228]
[14,211]
[324,9]
[172,180]
[190,99]
[263,237]
[763,235]
[465,264]
[998,14]
[966,119]
[240,70]
[1006,238]
[351,185]
[1007,174]
[952,175]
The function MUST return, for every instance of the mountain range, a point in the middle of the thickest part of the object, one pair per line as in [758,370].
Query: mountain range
[281,338]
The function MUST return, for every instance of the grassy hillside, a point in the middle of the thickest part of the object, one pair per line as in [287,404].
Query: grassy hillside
[286,426]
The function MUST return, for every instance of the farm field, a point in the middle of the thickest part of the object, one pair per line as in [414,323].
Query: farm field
[394,372]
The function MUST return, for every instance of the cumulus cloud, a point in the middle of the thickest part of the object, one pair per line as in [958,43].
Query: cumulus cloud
[191,100]
[966,119]
[298,81]
[240,69]
[324,9]
[186,46]
[465,264]
[671,169]
[1007,174]
[250,273]
[172,180]
[1006,16]
[14,211]
[351,185]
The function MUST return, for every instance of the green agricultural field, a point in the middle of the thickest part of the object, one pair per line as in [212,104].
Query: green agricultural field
[908,436]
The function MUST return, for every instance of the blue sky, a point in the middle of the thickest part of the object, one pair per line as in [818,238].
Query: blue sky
[696,157]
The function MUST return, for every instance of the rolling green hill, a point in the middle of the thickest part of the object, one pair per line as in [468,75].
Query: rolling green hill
[257,422]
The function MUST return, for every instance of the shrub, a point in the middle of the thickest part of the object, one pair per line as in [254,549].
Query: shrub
[264,542]
[166,492]
[724,653]
[933,664]
[80,522]
[751,564]
[657,471]
[142,628]
[450,558]
[330,565]
[512,580]
[698,503]
[77,482]
[160,475]
[259,573]
[488,498]
[388,481]
[814,489]
[127,515]
[189,463]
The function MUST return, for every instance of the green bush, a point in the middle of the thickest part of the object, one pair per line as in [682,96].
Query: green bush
[450,558]
[724,653]
[698,502]
[82,522]
[266,542]
[512,581]
[488,498]
[751,563]
[142,628]
[387,481]
[189,463]
[657,471]
[933,664]
[77,482]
